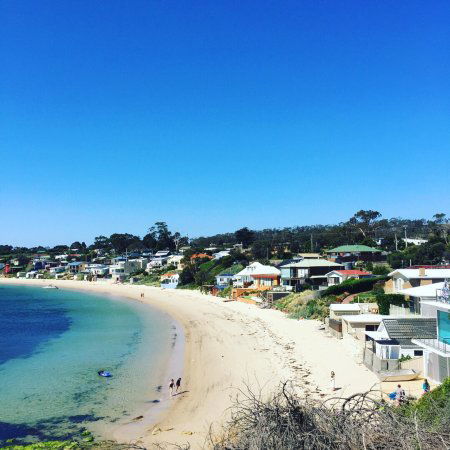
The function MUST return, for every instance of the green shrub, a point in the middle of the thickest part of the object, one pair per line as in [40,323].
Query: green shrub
[432,408]
[385,300]
[353,286]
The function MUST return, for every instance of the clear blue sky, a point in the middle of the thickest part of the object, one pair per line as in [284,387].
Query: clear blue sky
[212,115]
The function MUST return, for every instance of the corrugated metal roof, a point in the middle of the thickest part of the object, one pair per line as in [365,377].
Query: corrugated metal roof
[313,263]
[353,248]
[406,328]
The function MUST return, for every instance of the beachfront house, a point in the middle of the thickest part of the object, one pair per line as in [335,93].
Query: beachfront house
[175,260]
[338,276]
[354,253]
[57,269]
[76,267]
[247,276]
[393,338]
[415,276]
[159,259]
[308,271]
[123,269]
[356,325]
[224,280]
[170,280]
[338,310]
[98,270]
[436,359]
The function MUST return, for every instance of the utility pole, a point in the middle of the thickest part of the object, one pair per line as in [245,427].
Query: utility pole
[406,242]
[312,244]
[396,242]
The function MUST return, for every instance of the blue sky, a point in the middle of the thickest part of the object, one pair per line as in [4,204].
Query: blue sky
[213,115]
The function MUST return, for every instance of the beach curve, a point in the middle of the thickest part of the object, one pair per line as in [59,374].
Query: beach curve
[228,347]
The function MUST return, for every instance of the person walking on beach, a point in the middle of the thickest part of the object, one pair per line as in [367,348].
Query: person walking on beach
[333,381]
[171,385]
[178,384]
[425,386]
[400,395]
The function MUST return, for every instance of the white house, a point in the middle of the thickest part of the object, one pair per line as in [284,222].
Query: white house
[175,260]
[224,280]
[122,269]
[221,254]
[414,241]
[338,276]
[159,259]
[170,280]
[395,336]
[244,278]
[413,277]
[98,270]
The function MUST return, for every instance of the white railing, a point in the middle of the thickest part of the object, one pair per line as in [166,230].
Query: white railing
[437,344]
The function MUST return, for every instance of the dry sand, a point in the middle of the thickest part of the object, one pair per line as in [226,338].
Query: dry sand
[229,346]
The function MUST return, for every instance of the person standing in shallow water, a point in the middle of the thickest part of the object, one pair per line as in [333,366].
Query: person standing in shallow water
[171,386]
[178,384]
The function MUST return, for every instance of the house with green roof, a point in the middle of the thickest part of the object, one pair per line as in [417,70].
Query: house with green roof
[353,253]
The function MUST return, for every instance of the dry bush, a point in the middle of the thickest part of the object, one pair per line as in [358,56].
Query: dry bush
[358,422]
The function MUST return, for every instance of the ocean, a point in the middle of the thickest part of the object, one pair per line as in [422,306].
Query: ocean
[52,344]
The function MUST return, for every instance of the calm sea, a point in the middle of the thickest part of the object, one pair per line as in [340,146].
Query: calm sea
[53,342]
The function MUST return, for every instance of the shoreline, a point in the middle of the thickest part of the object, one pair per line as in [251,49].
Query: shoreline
[229,346]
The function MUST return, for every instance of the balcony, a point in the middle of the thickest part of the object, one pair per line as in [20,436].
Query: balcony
[442,296]
[440,346]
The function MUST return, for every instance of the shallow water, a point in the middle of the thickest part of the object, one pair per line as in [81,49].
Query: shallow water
[53,342]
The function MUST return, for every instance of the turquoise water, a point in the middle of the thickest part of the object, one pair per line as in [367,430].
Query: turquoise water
[53,342]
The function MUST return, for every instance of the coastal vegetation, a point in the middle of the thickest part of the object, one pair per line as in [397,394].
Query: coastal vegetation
[290,421]
[305,305]
[354,286]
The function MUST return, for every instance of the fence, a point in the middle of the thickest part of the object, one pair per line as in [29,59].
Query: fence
[376,364]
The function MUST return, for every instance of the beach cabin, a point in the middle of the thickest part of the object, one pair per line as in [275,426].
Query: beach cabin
[356,325]
[393,341]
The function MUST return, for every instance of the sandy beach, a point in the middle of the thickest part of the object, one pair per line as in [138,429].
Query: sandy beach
[227,347]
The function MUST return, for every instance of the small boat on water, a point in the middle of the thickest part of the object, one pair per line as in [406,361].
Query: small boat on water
[104,373]
[49,286]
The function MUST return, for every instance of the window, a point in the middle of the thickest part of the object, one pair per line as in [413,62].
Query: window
[418,352]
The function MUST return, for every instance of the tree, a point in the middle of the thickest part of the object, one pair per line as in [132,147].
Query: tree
[102,242]
[364,221]
[261,250]
[60,248]
[75,245]
[6,249]
[439,218]
[125,241]
[245,236]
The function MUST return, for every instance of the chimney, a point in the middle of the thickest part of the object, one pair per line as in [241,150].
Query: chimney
[422,272]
